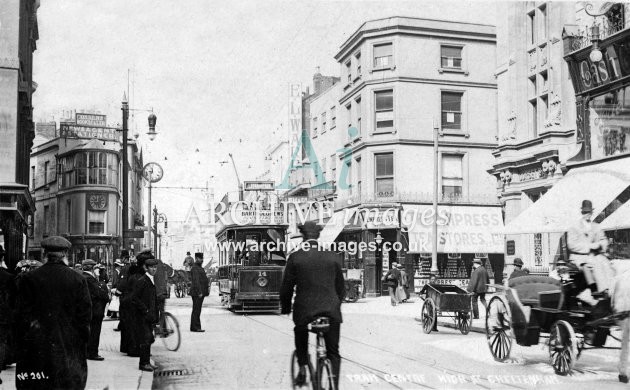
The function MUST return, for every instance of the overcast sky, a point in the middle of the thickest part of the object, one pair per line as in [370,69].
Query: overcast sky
[209,69]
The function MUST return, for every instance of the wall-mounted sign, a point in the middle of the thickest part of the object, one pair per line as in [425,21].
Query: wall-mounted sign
[94,120]
[67,130]
[295,120]
[511,248]
[96,201]
[258,186]
[614,65]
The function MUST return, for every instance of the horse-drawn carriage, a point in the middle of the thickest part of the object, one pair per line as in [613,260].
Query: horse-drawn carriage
[180,280]
[532,308]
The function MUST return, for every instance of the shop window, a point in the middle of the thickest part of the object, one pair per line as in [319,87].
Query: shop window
[451,57]
[96,222]
[383,56]
[609,122]
[452,110]
[384,174]
[384,110]
[452,176]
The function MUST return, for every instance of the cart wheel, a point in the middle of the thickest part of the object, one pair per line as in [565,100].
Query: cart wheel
[563,346]
[463,322]
[428,315]
[498,328]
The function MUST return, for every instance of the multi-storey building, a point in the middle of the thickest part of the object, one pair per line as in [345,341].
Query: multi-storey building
[563,120]
[18,38]
[77,187]
[372,135]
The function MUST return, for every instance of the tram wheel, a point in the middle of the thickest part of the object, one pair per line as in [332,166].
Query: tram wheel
[563,346]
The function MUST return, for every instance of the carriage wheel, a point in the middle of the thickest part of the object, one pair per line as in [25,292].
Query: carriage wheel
[563,346]
[463,322]
[498,328]
[428,315]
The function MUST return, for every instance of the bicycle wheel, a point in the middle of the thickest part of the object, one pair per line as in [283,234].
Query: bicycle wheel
[325,379]
[170,332]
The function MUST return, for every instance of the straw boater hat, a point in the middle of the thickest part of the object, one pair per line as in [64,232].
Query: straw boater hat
[477,260]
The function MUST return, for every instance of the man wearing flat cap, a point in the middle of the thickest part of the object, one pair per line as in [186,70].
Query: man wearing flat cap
[518,269]
[320,290]
[587,245]
[144,303]
[53,323]
[99,296]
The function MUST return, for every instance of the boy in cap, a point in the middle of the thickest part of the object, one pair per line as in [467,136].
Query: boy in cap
[99,296]
[53,323]
[144,303]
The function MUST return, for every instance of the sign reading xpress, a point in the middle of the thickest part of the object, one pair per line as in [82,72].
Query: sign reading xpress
[461,229]
[67,130]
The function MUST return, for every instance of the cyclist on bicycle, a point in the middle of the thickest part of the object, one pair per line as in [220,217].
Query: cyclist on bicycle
[320,289]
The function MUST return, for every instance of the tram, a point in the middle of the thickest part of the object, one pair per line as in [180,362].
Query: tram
[250,270]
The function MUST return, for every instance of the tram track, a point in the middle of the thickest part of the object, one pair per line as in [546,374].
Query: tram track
[432,363]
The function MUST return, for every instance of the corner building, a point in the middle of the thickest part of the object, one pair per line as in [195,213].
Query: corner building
[373,131]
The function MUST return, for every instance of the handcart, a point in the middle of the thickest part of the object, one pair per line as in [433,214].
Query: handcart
[446,300]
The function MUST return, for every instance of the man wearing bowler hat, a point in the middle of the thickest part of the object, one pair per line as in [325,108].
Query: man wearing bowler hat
[99,296]
[587,244]
[518,269]
[320,290]
[478,281]
[53,323]
[144,304]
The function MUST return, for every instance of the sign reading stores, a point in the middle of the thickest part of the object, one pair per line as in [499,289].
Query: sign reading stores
[91,120]
[67,130]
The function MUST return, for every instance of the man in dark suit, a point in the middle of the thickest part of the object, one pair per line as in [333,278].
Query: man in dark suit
[478,280]
[99,296]
[144,303]
[53,314]
[320,290]
[198,291]
[392,278]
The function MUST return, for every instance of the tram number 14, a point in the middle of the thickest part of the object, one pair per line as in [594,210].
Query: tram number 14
[262,273]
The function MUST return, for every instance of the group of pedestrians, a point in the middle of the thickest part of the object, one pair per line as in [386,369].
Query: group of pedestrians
[141,285]
[51,316]
[397,284]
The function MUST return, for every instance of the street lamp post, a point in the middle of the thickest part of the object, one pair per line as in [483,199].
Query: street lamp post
[157,218]
[436,129]
[125,165]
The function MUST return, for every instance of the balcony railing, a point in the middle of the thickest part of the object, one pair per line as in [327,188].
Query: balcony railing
[417,197]
[606,29]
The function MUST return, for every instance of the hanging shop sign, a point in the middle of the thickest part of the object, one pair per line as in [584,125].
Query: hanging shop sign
[614,65]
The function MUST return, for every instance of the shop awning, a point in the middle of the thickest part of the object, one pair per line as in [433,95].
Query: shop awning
[559,208]
[619,219]
[335,225]
[461,229]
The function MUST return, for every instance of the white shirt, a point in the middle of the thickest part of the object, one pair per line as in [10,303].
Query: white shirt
[150,278]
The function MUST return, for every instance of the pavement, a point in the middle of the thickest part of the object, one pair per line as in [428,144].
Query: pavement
[116,372]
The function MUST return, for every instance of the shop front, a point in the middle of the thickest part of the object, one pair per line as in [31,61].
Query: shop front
[464,233]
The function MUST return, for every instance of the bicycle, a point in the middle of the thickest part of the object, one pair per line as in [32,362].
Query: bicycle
[168,331]
[323,374]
